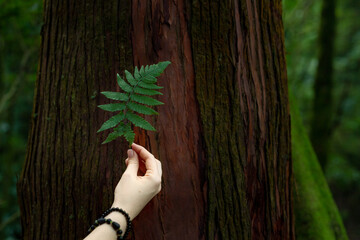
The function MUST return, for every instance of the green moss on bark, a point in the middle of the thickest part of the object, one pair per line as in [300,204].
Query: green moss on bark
[316,214]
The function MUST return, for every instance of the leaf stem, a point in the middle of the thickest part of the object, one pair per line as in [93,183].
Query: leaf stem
[125,111]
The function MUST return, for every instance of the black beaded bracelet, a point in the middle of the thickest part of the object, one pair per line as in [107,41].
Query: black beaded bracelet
[114,225]
[126,215]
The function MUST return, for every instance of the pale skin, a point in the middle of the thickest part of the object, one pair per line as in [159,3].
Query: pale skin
[140,182]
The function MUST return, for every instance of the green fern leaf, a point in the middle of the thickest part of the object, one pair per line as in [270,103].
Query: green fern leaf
[113,107]
[137,73]
[152,71]
[149,85]
[139,121]
[161,67]
[112,136]
[145,100]
[157,69]
[142,70]
[146,91]
[130,78]
[141,109]
[149,79]
[123,85]
[116,96]
[112,122]
[133,100]
[129,134]
[118,132]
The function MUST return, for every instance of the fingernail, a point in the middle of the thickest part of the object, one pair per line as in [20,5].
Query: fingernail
[130,153]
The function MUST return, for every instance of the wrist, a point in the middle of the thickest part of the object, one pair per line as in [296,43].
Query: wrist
[128,210]
[120,219]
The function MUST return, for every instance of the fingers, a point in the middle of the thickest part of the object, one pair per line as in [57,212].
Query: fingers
[142,168]
[132,162]
[152,165]
[150,161]
[159,167]
[143,153]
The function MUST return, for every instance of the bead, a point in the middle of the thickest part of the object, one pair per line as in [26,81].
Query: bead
[125,214]
[92,227]
[101,221]
[119,238]
[115,225]
[119,232]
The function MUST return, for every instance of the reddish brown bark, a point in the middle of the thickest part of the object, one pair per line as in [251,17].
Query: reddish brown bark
[160,33]
[223,134]
[68,177]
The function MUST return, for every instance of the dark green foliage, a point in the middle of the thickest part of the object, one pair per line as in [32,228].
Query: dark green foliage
[20,23]
[302,23]
[322,125]
[133,101]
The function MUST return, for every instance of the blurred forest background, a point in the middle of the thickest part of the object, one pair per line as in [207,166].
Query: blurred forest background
[20,26]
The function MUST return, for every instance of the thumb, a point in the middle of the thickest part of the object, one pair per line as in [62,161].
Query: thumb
[133,162]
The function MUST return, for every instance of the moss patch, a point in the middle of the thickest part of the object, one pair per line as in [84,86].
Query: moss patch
[316,214]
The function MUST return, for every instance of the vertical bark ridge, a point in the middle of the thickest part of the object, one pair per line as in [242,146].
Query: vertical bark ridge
[263,168]
[213,40]
[269,193]
[160,34]
[83,46]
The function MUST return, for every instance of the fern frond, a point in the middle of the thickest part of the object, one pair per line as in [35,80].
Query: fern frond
[112,136]
[145,100]
[129,134]
[141,109]
[146,91]
[113,107]
[118,132]
[116,96]
[134,100]
[112,122]
[123,85]
[149,85]
[139,121]
[130,78]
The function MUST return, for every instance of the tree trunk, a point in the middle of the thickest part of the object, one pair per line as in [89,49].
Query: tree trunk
[316,213]
[223,135]
[322,117]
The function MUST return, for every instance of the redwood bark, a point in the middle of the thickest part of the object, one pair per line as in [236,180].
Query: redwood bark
[223,135]
[242,90]
[68,177]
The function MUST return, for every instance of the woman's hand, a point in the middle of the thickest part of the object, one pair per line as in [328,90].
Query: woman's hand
[133,192]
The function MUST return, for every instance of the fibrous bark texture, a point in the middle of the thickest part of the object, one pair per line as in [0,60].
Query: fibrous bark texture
[223,135]
[160,33]
[241,87]
[69,177]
